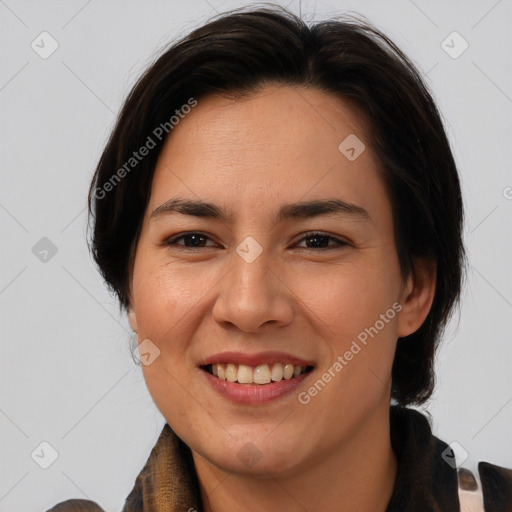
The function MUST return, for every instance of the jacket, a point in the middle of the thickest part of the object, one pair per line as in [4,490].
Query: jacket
[428,478]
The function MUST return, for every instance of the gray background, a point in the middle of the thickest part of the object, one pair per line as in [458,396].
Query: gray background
[66,373]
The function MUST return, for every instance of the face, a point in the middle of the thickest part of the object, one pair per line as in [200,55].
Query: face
[259,285]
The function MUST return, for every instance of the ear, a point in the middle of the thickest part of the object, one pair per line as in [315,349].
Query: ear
[417,297]
[132,318]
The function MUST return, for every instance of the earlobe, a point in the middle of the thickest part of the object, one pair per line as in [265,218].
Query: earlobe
[417,297]
[132,318]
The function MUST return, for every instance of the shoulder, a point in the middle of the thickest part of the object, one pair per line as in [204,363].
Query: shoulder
[76,505]
[435,475]
[484,487]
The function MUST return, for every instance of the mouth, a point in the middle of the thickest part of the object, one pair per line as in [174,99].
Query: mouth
[260,375]
[255,379]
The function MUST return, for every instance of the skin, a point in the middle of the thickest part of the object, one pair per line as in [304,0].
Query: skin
[251,156]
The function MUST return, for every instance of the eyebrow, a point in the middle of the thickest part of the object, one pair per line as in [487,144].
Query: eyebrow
[302,210]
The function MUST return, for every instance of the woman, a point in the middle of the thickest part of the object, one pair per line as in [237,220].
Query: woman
[279,213]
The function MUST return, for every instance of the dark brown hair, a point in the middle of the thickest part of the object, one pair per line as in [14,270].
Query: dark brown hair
[76,505]
[237,53]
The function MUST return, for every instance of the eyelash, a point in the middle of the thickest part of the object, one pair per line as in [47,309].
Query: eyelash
[311,234]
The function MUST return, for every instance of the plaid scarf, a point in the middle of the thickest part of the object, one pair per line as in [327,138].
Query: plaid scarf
[428,479]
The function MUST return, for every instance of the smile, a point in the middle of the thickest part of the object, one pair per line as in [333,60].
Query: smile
[257,378]
[261,374]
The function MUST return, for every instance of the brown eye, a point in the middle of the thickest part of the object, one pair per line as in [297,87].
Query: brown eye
[191,240]
[321,241]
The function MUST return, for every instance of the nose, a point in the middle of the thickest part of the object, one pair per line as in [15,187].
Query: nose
[252,295]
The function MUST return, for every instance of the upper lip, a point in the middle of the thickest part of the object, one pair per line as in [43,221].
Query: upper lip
[255,359]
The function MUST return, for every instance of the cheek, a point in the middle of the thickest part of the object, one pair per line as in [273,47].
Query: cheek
[164,295]
[164,299]
[347,298]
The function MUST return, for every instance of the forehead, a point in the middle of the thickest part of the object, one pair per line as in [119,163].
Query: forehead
[276,116]
[281,142]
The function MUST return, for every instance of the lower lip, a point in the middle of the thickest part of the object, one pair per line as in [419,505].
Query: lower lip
[255,393]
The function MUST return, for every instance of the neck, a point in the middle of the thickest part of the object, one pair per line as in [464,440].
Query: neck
[357,475]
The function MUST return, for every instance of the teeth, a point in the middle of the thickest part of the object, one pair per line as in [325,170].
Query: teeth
[244,374]
[221,372]
[288,371]
[261,374]
[277,372]
[231,372]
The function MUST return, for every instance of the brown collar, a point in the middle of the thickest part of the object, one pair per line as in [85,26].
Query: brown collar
[168,481]
[425,482]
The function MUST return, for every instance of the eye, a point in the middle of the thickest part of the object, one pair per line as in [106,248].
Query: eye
[191,240]
[321,241]
[314,240]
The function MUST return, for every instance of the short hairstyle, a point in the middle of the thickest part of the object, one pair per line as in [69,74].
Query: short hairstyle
[239,52]
[76,505]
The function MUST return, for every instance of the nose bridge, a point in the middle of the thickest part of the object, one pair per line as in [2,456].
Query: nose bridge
[251,295]
[250,266]
[250,276]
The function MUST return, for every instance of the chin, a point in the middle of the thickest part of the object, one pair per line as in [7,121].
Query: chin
[255,453]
